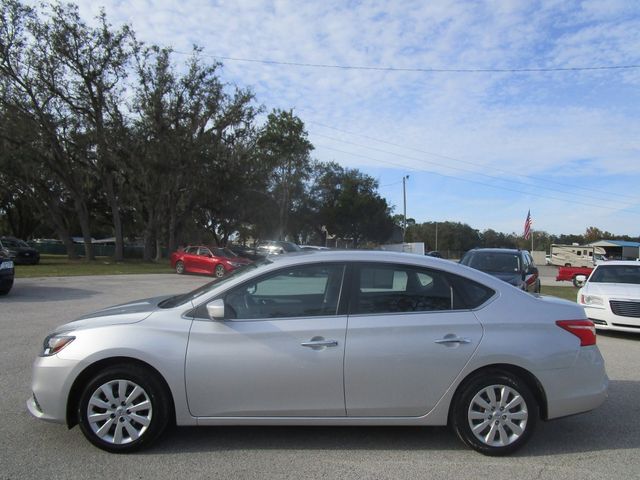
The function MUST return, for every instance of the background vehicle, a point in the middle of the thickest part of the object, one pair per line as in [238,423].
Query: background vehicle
[576,255]
[20,251]
[313,248]
[515,267]
[210,261]
[270,344]
[572,274]
[7,272]
[276,247]
[243,251]
[611,296]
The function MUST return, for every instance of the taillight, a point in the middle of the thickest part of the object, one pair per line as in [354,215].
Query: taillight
[585,330]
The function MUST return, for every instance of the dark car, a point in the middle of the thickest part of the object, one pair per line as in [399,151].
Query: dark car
[6,272]
[20,251]
[515,267]
[276,247]
[243,251]
[434,253]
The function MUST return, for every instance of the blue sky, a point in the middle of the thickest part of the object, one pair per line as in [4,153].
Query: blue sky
[480,148]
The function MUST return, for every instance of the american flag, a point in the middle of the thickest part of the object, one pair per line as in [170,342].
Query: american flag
[527,226]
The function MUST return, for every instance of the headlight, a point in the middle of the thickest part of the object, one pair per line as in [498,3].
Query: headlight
[591,300]
[54,343]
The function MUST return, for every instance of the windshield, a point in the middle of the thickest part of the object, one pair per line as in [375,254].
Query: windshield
[616,274]
[189,296]
[494,262]
[14,243]
[290,247]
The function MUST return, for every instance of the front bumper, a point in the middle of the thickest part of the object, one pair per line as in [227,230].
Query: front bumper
[6,280]
[51,383]
[605,319]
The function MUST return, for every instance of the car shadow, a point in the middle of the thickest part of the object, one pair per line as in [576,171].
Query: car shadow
[612,426]
[206,439]
[619,335]
[601,429]
[40,293]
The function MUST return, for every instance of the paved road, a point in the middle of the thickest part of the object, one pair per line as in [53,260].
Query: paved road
[604,444]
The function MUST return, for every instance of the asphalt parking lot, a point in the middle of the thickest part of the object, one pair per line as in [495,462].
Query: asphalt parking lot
[603,444]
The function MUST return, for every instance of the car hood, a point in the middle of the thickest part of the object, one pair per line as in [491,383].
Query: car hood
[119,314]
[239,260]
[623,290]
[512,278]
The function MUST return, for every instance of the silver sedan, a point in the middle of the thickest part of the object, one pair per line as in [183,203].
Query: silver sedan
[326,338]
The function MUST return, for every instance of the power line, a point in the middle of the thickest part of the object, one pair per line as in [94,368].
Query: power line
[492,177]
[405,167]
[417,69]
[502,170]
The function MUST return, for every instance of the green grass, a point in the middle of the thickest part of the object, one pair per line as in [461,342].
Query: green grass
[61,266]
[568,293]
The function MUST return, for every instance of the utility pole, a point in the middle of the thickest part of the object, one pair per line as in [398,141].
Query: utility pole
[404,195]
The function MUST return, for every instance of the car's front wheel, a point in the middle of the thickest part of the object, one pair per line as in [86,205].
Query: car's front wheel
[219,271]
[179,267]
[495,413]
[123,408]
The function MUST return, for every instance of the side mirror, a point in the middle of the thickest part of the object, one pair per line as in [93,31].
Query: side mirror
[215,309]
[579,280]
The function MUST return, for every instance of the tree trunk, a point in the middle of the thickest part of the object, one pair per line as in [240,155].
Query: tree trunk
[115,213]
[149,236]
[83,218]
[158,250]
[57,218]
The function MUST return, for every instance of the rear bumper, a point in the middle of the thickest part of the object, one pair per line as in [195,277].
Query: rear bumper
[579,388]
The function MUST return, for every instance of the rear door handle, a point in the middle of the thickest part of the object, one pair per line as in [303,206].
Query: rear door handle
[452,339]
[317,343]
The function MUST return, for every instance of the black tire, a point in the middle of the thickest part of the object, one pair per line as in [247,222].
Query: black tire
[219,271]
[123,416]
[179,267]
[499,432]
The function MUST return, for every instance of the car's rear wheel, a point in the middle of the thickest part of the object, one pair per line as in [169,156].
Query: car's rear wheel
[495,413]
[219,271]
[123,408]
[179,267]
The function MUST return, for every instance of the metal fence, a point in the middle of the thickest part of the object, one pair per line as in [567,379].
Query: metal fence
[100,250]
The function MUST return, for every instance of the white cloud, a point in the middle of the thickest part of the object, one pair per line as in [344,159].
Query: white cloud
[552,124]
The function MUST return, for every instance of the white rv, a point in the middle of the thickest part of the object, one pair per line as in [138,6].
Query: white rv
[576,255]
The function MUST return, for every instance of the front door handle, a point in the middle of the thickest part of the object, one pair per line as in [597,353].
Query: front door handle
[318,343]
[448,339]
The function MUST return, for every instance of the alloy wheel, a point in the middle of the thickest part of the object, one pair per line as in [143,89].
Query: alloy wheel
[498,415]
[119,412]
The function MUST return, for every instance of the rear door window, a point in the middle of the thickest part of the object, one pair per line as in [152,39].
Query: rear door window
[404,288]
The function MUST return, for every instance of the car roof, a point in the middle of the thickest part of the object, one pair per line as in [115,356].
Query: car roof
[382,256]
[628,263]
[497,250]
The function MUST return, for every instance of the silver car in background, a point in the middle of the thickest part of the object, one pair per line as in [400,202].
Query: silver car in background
[326,338]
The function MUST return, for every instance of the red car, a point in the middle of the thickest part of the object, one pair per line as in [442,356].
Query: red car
[212,261]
